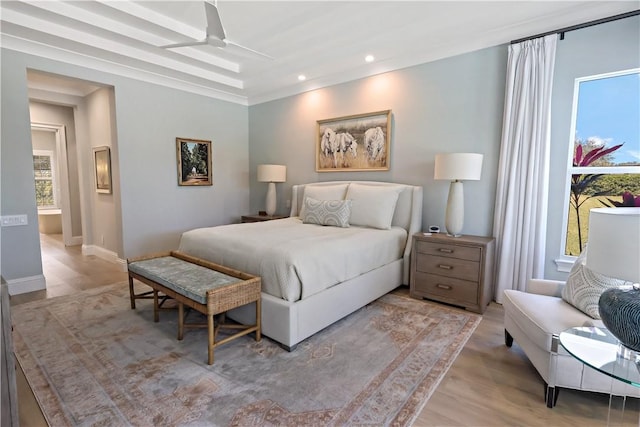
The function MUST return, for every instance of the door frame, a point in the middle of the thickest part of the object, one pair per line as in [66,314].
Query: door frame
[63,179]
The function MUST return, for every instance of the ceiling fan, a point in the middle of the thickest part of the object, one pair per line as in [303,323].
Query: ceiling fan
[215,35]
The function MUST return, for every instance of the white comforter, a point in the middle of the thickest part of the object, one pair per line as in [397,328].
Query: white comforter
[296,260]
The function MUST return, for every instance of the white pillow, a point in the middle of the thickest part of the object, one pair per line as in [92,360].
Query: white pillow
[373,206]
[584,287]
[327,212]
[323,192]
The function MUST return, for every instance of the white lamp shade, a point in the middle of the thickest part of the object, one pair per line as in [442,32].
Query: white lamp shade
[458,166]
[272,173]
[613,246]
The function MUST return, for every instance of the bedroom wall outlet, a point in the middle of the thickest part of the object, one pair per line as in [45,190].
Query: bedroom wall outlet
[14,220]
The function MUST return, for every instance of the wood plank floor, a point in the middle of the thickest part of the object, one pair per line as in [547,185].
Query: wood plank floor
[487,385]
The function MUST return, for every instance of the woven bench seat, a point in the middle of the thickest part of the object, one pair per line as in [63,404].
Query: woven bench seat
[204,286]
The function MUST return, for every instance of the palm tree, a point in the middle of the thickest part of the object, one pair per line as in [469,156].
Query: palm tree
[580,182]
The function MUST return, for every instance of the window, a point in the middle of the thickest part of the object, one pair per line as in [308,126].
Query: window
[604,160]
[44,174]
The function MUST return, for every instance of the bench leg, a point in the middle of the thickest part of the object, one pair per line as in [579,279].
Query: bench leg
[212,338]
[258,319]
[180,321]
[156,307]
[131,294]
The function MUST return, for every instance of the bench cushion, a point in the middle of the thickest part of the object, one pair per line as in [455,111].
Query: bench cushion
[185,278]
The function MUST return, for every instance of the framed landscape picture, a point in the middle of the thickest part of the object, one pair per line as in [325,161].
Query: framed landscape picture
[354,143]
[102,166]
[194,161]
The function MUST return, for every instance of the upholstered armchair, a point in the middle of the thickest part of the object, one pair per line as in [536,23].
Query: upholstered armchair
[534,320]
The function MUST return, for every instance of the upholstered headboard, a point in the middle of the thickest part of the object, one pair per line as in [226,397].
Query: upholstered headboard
[408,212]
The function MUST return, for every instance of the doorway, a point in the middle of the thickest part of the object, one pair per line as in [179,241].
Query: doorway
[53,191]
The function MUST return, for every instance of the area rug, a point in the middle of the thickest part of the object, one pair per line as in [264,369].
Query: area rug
[91,360]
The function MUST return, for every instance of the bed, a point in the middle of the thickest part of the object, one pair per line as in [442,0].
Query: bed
[315,274]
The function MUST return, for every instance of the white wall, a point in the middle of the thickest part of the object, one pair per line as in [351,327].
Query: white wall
[450,105]
[148,118]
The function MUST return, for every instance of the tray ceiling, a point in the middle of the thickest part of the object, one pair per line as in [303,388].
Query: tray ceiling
[326,41]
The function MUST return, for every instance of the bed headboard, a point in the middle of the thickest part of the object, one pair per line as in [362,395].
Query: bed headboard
[408,213]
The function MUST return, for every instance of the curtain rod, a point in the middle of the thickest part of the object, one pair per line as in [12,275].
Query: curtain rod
[561,31]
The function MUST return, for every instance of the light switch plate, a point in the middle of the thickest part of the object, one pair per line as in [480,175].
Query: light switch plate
[14,220]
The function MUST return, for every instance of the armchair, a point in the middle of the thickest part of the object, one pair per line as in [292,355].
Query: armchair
[534,319]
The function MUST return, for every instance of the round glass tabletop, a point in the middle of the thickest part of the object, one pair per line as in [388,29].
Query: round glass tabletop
[598,348]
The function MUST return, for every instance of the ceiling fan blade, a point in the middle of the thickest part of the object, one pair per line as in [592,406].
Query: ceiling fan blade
[214,24]
[185,44]
[264,55]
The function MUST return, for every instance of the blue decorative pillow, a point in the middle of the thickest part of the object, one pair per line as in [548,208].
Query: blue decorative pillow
[327,212]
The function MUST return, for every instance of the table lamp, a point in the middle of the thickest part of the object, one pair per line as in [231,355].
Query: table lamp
[271,174]
[457,167]
[613,250]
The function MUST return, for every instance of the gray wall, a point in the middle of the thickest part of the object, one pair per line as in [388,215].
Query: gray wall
[450,105]
[148,118]
[604,48]
[103,230]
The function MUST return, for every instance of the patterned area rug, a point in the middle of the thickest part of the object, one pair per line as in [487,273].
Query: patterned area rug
[91,360]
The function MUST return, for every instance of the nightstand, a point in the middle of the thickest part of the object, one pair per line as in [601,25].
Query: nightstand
[260,218]
[454,270]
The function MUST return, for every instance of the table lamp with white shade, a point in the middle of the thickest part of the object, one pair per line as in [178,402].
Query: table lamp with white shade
[457,167]
[271,174]
[613,250]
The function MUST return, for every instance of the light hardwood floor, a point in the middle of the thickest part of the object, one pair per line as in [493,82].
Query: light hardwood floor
[487,385]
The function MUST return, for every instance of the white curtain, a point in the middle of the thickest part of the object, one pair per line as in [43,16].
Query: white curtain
[521,195]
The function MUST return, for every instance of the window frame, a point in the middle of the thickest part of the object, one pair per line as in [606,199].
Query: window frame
[53,179]
[565,262]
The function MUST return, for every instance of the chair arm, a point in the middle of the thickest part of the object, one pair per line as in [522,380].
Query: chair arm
[551,288]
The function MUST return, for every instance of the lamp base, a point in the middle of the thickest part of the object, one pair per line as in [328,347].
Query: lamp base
[271,199]
[454,216]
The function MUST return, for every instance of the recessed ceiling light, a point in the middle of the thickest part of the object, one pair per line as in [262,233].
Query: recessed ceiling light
[302,77]
[369,58]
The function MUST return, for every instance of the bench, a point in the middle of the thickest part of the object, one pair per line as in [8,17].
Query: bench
[207,287]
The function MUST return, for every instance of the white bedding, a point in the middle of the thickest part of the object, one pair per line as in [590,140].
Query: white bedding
[296,260]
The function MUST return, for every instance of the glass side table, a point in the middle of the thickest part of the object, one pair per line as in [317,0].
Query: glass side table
[598,348]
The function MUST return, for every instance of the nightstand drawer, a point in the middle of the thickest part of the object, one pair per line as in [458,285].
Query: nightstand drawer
[449,250]
[449,289]
[450,267]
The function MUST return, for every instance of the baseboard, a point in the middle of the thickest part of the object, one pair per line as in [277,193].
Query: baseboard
[76,241]
[105,254]
[23,285]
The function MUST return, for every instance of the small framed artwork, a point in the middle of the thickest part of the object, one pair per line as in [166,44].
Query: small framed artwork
[354,143]
[194,161]
[102,166]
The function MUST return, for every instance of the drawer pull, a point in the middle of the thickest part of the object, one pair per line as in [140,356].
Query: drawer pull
[447,287]
[446,251]
[444,266]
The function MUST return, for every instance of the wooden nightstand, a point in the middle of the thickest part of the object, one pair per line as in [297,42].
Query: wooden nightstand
[455,270]
[260,218]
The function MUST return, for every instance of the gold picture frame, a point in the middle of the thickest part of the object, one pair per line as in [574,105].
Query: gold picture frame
[102,168]
[360,142]
[195,160]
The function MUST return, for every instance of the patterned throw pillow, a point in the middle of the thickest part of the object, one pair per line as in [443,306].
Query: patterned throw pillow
[584,287]
[327,212]
[323,192]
